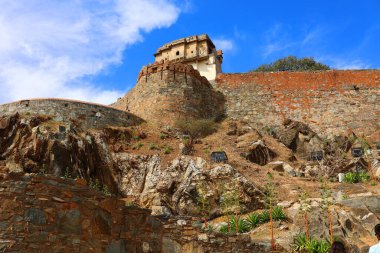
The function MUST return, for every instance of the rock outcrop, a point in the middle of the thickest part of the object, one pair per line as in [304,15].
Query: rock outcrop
[174,189]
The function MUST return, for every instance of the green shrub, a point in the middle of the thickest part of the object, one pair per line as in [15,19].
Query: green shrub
[163,136]
[167,150]
[153,146]
[105,190]
[352,177]
[253,219]
[264,216]
[324,246]
[364,177]
[278,213]
[242,225]
[301,244]
[138,146]
[224,229]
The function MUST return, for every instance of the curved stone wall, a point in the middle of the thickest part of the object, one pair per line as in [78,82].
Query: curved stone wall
[167,92]
[88,115]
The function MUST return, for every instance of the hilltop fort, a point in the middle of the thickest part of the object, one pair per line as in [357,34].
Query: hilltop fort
[182,82]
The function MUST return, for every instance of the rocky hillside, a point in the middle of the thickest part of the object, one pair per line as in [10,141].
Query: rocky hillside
[57,179]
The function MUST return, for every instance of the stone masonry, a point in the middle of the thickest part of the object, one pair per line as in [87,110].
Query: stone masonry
[88,115]
[331,102]
[169,91]
[42,213]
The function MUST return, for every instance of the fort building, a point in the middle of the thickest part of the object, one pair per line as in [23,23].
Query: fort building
[198,51]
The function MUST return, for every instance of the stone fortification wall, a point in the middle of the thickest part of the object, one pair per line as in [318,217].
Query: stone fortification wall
[168,91]
[331,102]
[89,115]
[180,235]
[48,214]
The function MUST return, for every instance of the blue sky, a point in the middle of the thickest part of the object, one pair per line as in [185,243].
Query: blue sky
[93,49]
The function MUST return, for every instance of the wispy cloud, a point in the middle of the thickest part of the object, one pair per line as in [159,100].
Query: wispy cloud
[280,38]
[224,44]
[48,48]
[344,62]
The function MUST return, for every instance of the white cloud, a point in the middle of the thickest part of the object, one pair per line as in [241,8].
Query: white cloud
[47,48]
[224,44]
[279,39]
[348,64]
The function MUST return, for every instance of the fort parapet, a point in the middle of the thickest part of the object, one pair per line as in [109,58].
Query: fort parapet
[168,91]
[88,115]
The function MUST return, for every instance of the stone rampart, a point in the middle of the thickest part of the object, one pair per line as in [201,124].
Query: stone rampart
[166,92]
[88,115]
[49,214]
[181,235]
[331,102]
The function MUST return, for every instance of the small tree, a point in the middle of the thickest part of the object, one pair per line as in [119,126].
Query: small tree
[305,207]
[292,63]
[195,129]
[270,194]
[327,202]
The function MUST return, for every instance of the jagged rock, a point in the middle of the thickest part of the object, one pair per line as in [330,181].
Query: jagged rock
[285,204]
[38,146]
[300,138]
[281,166]
[175,186]
[258,153]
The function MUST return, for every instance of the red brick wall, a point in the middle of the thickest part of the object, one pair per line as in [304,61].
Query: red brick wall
[332,102]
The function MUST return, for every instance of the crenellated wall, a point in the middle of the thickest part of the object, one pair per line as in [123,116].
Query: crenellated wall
[331,102]
[166,92]
[88,115]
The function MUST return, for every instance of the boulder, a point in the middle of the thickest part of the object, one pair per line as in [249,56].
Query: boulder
[300,138]
[257,152]
[176,186]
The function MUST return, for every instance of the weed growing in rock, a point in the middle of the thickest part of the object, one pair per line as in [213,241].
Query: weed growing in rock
[105,190]
[43,171]
[163,136]
[167,150]
[67,174]
[138,146]
[94,184]
[153,146]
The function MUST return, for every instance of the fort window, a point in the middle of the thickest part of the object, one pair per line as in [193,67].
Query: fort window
[66,105]
[177,53]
